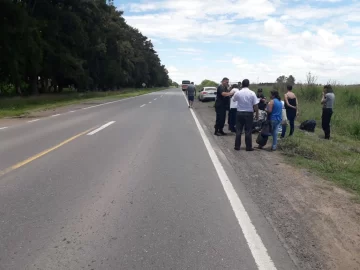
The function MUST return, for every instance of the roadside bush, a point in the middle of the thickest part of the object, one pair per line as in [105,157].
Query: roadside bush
[309,93]
[352,98]
[7,89]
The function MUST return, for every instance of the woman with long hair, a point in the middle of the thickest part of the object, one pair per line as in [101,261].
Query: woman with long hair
[292,108]
[275,116]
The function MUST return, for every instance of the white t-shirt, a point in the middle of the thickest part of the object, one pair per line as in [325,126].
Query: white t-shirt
[283,104]
[233,104]
[246,99]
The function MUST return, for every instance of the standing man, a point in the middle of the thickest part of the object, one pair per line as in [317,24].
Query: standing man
[233,109]
[191,93]
[221,106]
[327,101]
[247,103]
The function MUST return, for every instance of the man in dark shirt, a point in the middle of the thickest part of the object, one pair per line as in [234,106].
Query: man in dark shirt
[191,93]
[261,99]
[221,105]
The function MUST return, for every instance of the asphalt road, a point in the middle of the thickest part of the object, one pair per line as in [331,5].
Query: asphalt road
[134,184]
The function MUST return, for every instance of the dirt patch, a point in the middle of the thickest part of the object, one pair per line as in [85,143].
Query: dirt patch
[317,222]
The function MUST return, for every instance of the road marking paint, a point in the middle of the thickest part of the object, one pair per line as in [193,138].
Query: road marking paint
[155,98]
[149,101]
[102,104]
[101,128]
[32,121]
[119,100]
[142,105]
[257,248]
[30,159]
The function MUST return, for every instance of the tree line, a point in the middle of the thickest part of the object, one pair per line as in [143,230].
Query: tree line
[48,45]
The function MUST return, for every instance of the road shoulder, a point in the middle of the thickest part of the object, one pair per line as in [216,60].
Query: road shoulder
[317,222]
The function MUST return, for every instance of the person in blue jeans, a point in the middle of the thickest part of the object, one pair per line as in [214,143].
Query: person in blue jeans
[275,116]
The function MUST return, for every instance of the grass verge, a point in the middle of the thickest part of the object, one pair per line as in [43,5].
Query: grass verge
[22,106]
[337,160]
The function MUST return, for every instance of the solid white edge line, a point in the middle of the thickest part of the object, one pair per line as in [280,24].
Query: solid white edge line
[257,248]
[3,127]
[71,111]
[101,128]
[32,121]
[55,115]
[142,105]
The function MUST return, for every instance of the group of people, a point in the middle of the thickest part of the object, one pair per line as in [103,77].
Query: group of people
[244,106]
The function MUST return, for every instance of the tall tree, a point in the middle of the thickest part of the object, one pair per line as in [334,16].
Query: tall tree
[280,84]
[51,44]
[290,80]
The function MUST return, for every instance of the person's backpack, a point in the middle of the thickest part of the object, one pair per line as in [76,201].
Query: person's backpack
[266,128]
[308,125]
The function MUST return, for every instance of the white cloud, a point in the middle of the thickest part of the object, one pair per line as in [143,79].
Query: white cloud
[301,37]
[275,28]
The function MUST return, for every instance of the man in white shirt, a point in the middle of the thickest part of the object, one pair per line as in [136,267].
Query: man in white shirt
[247,103]
[233,109]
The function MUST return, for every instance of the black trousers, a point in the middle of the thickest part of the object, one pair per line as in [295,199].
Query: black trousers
[291,115]
[220,117]
[232,119]
[326,118]
[244,120]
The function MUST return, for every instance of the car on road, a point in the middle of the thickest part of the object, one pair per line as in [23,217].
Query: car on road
[207,93]
[184,84]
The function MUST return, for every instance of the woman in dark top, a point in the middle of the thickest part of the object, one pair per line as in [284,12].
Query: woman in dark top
[292,110]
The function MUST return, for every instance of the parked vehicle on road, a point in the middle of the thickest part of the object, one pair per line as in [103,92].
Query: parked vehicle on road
[207,93]
[184,85]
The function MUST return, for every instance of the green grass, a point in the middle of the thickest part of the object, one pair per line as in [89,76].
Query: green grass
[22,106]
[346,117]
[337,160]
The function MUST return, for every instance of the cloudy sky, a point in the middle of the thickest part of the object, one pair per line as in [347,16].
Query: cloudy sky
[255,39]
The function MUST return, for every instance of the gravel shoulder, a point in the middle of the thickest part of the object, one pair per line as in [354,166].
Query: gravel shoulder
[317,222]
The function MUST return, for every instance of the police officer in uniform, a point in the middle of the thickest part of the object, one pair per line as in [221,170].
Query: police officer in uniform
[221,106]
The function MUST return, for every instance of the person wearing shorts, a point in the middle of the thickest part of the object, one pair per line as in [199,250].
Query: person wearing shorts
[191,93]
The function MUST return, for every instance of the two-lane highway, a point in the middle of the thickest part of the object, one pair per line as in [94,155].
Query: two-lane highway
[128,185]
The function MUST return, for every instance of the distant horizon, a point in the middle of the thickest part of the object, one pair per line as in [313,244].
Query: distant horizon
[258,83]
